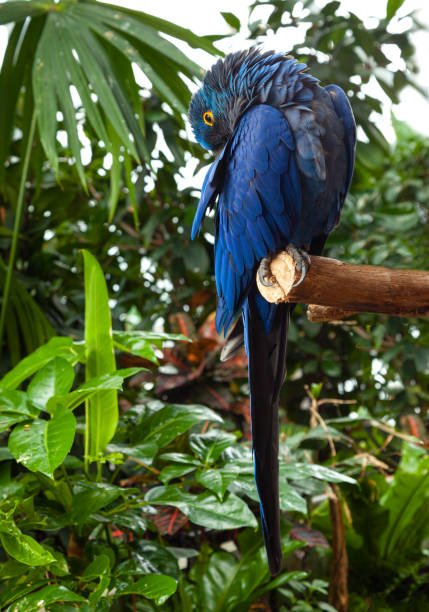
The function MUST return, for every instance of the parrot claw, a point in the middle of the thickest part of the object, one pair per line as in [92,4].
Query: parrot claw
[302,261]
[264,272]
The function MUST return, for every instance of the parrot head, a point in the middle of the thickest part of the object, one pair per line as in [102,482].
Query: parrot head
[228,89]
[239,81]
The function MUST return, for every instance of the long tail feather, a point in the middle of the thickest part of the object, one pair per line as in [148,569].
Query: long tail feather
[266,351]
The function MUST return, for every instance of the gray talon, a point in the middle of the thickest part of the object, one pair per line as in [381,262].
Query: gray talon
[264,272]
[302,261]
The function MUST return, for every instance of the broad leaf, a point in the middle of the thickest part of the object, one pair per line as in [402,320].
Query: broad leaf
[22,547]
[55,378]
[14,408]
[210,445]
[153,586]
[97,568]
[43,445]
[88,497]
[56,347]
[218,480]
[93,386]
[205,509]
[141,453]
[298,471]
[135,343]
[45,597]
[172,420]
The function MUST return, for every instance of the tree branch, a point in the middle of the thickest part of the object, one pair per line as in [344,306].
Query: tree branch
[335,290]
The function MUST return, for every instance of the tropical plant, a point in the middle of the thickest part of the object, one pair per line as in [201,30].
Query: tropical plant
[62,56]
[160,469]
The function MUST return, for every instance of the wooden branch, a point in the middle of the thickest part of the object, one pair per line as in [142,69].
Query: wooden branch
[335,290]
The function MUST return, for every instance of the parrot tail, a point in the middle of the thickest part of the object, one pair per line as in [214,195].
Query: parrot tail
[265,343]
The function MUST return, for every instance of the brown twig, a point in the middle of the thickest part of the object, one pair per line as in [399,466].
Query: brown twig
[338,595]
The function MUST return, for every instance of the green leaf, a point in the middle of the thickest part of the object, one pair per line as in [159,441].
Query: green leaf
[132,197]
[290,500]
[156,338]
[142,453]
[172,29]
[173,420]
[97,568]
[205,509]
[55,378]
[231,20]
[114,18]
[134,343]
[407,502]
[89,497]
[93,385]
[43,445]
[217,481]
[316,389]
[174,471]
[392,7]
[196,259]
[56,347]
[59,567]
[299,471]
[45,97]
[19,53]
[20,10]
[45,597]
[115,172]
[153,586]
[14,408]
[22,547]
[210,445]
[102,408]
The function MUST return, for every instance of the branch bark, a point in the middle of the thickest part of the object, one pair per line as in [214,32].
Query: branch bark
[335,290]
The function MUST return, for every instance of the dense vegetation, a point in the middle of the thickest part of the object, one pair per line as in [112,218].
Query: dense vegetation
[125,467]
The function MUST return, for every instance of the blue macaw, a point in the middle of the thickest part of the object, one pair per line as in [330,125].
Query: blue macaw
[285,149]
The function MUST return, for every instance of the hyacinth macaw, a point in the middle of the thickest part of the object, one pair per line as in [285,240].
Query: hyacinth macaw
[285,150]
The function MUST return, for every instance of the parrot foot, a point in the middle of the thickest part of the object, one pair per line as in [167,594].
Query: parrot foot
[302,261]
[264,272]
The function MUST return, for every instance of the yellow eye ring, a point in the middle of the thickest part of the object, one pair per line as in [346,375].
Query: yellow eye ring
[208,118]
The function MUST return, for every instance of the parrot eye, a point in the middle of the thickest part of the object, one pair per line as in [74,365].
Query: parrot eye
[208,118]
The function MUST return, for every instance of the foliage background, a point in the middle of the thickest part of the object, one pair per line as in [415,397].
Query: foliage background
[161,513]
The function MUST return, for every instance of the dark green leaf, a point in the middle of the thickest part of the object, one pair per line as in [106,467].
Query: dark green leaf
[210,445]
[392,8]
[90,497]
[142,453]
[45,597]
[170,421]
[154,586]
[97,568]
[205,509]
[298,471]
